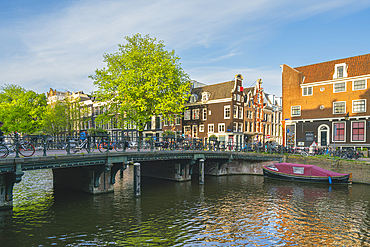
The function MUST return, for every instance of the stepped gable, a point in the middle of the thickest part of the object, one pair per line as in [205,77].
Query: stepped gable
[217,91]
[358,65]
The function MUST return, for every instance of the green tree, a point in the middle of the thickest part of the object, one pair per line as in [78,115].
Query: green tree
[141,80]
[21,110]
[64,117]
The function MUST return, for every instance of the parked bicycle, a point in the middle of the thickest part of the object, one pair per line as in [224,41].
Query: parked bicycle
[25,148]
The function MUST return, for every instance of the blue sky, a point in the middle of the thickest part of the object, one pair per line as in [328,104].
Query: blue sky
[58,44]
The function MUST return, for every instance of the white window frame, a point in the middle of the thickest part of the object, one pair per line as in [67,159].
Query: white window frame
[353,84]
[345,107]
[235,126]
[240,127]
[335,76]
[189,129]
[235,111]
[195,114]
[211,130]
[205,96]
[177,121]
[353,105]
[364,130]
[201,128]
[204,113]
[345,134]
[220,127]
[291,111]
[187,115]
[345,87]
[225,108]
[241,112]
[307,91]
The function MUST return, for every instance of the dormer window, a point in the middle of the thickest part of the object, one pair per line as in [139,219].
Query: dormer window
[205,96]
[340,71]
[193,98]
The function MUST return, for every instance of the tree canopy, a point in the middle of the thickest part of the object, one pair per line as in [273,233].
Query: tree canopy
[141,80]
[21,110]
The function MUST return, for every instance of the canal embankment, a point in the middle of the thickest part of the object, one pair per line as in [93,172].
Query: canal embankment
[360,169]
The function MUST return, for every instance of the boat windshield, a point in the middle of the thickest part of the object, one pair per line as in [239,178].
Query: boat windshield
[298,170]
[272,167]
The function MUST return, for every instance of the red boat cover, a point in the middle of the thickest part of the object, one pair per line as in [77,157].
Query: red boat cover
[304,170]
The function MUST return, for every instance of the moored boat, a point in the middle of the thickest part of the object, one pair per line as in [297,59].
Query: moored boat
[304,173]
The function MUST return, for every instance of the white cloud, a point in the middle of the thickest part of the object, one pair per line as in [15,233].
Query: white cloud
[62,48]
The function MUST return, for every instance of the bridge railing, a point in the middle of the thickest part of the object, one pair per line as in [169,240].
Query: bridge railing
[45,145]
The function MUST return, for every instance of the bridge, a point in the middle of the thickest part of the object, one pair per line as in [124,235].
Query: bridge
[95,172]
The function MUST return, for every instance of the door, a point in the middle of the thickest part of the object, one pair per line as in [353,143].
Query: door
[324,138]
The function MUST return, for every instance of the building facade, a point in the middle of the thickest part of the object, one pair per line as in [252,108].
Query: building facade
[327,104]
[216,110]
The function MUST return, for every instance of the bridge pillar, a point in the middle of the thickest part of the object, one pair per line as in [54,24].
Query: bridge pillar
[137,179]
[92,179]
[7,182]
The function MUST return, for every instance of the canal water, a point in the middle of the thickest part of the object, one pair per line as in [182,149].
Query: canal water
[236,210]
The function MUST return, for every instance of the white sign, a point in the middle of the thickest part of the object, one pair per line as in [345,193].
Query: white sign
[314,144]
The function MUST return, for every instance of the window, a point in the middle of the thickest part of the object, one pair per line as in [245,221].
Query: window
[340,71]
[359,105]
[360,84]
[205,96]
[201,128]
[339,107]
[237,97]
[187,130]
[240,127]
[195,113]
[204,113]
[195,131]
[339,130]
[249,114]
[240,112]
[221,127]
[235,111]
[165,122]
[296,111]
[227,112]
[307,91]
[211,128]
[235,127]
[187,115]
[339,87]
[177,120]
[358,131]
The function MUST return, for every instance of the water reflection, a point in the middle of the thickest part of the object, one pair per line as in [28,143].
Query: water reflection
[225,211]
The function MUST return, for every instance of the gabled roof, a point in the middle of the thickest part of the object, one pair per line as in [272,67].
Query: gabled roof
[358,65]
[217,91]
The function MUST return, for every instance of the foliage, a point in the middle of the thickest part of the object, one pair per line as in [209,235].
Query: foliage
[65,116]
[21,110]
[141,80]
[94,132]
[213,137]
[168,133]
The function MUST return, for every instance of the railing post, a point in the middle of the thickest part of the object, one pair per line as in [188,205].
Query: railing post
[88,144]
[138,143]
[137,185]
[201,171]
[108,144]
[68,145]
[44,139]
[16,145]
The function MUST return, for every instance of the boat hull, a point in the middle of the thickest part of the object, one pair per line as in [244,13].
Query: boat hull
[313,179]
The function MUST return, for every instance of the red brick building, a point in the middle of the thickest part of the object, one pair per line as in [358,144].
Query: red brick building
[327,102]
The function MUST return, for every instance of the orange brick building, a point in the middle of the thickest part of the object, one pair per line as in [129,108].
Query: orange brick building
[327,103]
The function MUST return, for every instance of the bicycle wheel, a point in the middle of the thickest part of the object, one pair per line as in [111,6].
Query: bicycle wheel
[26,149]
[118,146]
[4,151]
[103,146]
